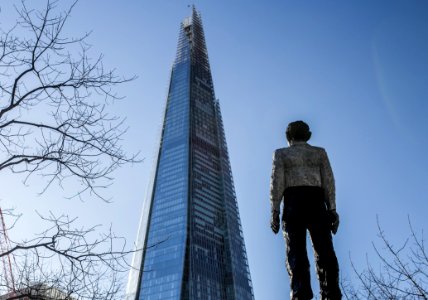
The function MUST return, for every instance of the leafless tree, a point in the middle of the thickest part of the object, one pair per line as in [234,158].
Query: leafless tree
[73,262]
[53,104]
[403,271]
[54,123]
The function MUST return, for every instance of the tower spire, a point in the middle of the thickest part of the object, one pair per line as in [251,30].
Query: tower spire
[191,236]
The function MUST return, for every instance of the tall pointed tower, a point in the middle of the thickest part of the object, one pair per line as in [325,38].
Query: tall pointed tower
[190,232]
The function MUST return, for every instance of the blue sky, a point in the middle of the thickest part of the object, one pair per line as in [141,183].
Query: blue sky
[356,71]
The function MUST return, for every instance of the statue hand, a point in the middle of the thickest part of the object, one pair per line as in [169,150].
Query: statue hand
[274,221]
[333,220]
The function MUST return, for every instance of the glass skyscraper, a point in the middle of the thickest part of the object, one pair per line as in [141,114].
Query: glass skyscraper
[190,232]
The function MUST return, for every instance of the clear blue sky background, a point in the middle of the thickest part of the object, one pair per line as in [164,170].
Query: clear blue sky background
[356,71]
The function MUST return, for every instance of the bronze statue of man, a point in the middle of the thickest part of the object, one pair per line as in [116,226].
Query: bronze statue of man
[302,176]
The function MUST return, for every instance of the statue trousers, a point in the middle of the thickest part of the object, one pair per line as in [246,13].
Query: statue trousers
[305,210]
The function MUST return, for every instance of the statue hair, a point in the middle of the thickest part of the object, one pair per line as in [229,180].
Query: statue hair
[298,131]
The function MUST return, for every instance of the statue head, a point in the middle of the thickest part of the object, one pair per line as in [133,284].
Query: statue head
[298,131]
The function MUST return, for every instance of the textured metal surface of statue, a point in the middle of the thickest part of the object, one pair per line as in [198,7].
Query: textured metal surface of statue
[303,179]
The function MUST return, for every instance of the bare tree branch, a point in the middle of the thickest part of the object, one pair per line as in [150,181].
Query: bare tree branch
[403,273]
[77,261]
[69,133]
[55,123]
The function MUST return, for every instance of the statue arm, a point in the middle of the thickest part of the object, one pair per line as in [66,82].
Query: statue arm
[327,181]
[277,182]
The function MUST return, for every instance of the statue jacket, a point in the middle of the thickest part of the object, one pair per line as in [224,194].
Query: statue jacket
[301,165]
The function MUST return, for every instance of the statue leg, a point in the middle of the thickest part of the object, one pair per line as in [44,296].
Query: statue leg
[294,230]
[325,257]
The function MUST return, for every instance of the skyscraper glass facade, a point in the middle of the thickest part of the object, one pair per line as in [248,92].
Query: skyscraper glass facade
[190,231]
